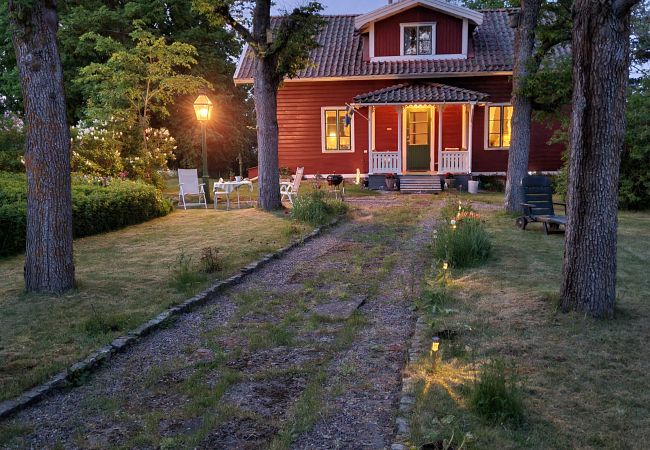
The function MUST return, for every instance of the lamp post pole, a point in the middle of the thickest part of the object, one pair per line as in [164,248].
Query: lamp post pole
[204,158]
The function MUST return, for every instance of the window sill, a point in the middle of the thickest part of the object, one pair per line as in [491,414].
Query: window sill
[337,151]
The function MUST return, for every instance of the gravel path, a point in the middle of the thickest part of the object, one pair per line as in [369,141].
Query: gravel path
[279,361]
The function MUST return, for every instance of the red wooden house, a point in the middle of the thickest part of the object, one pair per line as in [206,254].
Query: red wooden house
[430,83]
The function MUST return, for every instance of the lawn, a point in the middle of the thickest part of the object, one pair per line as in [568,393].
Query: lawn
[124,278]
[583,382]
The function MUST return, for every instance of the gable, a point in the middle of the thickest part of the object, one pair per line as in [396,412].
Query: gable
[448,31]
[397,6]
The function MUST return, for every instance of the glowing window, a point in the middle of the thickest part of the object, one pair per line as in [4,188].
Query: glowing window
[337,132]
[499,126]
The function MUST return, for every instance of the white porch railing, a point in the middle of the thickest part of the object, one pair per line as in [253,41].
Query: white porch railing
[384,162]
[454,162]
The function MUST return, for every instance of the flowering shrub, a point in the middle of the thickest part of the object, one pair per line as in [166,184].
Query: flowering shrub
[99,148]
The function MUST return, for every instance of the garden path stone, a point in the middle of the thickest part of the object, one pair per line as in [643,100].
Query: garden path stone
[339,310]
[157,392]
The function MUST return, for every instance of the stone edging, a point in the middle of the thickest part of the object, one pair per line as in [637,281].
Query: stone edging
[102,355]
[417,350]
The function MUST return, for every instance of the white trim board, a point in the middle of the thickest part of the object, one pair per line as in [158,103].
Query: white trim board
[324,151]
[387,77]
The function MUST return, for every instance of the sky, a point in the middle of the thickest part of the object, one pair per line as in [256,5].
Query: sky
[335,6]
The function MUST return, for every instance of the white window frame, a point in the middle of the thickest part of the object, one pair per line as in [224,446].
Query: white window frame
[322,130]
[402,26]
[486,133]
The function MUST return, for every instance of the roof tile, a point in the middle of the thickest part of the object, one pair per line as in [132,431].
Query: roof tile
[420,92]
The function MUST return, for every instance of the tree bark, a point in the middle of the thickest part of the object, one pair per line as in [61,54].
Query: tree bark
[49,265]
[265,90]
[600,44]
[267,136]
[522,114]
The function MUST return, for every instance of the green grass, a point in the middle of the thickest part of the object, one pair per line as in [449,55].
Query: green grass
[583,382]
[124,278]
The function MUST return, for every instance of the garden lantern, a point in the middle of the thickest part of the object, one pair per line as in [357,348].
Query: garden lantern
[203,111]
[435,345]
[445,265]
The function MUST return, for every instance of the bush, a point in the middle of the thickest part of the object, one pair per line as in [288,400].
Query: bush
[315,209]
[496,397]
[95,209]
[466,245]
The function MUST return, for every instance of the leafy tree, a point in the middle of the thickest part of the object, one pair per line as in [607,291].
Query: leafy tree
[281,50]
[600,46]
[49,265]
[231,133]
[138,83]
[635,173]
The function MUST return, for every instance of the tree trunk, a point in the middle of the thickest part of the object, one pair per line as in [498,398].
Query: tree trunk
[266,91]
[600,45]
[49,264]
[522,104]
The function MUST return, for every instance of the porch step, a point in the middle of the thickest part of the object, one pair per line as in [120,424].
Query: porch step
[420,183]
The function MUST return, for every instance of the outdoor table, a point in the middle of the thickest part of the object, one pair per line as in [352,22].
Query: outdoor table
[228,187]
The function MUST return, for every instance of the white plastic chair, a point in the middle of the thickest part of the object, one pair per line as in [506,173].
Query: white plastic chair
[188,184]
[221,191]
[289,189]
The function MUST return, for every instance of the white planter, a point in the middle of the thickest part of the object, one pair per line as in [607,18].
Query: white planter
[472,187]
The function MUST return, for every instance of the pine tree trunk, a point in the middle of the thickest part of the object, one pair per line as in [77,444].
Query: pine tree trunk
[522,105]
[266,91]
[49,264]
[600,45]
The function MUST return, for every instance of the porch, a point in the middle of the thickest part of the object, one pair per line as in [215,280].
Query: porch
[420,128]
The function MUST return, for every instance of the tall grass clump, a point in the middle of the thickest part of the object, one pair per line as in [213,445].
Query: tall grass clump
[462,240]
[495,396]
[315,209]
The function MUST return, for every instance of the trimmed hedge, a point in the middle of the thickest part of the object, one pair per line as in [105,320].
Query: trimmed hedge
[95,209]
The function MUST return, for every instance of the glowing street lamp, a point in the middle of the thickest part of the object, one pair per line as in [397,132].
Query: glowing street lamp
[203,110]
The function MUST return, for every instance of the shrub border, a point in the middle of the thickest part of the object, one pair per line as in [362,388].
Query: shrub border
[98,358]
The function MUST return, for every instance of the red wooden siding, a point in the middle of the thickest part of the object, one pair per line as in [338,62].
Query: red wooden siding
[452,127]
[299,118]
[449,31]
[386,136]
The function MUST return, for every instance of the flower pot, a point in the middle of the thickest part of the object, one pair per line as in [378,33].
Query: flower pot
[450,182]
[472,186]
[390,183]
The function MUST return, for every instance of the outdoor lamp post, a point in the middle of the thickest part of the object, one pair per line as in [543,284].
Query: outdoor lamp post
[203,111]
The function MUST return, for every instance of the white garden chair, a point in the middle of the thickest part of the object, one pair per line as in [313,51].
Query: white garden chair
[188,184]
[289,189]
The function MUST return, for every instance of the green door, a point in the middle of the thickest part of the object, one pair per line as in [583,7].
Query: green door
[418,140]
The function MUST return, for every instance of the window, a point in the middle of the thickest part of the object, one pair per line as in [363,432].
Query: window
[418,128]
[337,135]
[418,39]
[499,128]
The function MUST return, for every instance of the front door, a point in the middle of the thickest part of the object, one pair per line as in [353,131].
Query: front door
[418,139]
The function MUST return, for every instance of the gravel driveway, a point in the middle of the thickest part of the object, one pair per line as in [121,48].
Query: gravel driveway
[305,353]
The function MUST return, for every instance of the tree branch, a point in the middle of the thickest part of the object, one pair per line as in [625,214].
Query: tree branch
[224,12]
[622,7]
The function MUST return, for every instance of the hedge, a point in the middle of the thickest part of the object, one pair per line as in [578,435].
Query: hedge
[95,209]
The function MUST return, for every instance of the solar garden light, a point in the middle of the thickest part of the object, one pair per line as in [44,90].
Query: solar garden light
[203,110]
[435,345]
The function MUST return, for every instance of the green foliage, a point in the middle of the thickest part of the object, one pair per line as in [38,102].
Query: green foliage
[138,83]
[184,275]
[210,260]
[462,240]
[95,208]
[314,209]
[293,37]
[635,165]
[495,396]
[12,143]
[99,324]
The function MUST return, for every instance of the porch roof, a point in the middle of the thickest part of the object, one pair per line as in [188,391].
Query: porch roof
[420,92]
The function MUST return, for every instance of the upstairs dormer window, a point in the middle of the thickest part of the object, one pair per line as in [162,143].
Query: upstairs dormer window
[418,39]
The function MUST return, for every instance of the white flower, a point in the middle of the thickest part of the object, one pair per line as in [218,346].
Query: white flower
[453,222]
